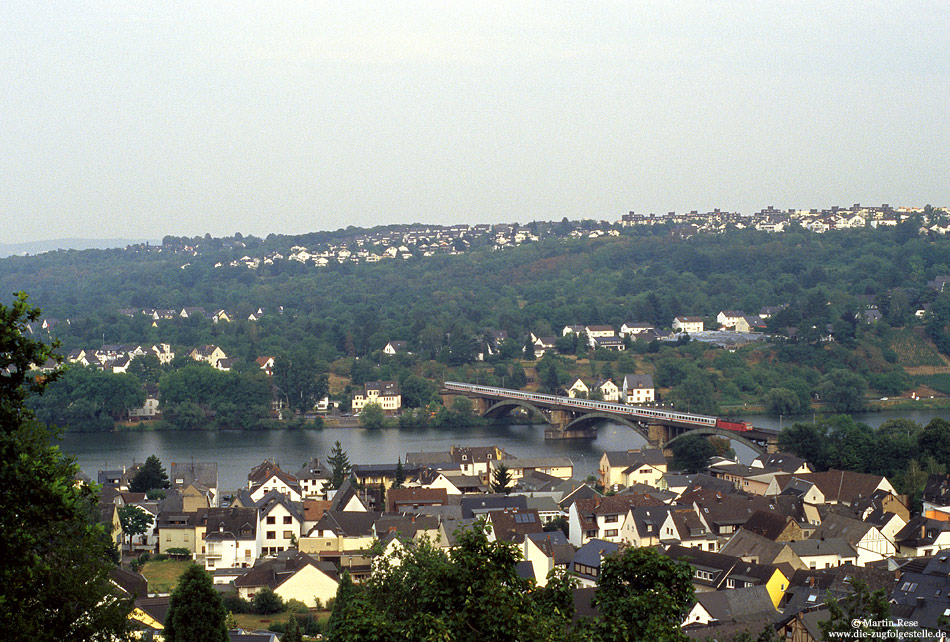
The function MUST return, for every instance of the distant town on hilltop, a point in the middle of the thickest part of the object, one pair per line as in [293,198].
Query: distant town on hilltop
[355,245]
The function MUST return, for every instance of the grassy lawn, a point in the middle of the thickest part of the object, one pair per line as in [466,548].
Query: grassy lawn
[251,622]
[163,576]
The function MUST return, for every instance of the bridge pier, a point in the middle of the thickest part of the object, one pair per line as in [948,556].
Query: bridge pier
[559,420]
[658,434]
[479,404]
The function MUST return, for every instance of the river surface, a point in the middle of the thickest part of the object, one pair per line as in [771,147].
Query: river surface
[238,451]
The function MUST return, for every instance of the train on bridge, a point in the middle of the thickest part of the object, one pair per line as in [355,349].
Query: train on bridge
[603,406]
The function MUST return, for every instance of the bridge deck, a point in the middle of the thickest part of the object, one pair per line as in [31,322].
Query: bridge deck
[634,413]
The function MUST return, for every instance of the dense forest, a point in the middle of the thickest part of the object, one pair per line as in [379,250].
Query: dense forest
[327,326]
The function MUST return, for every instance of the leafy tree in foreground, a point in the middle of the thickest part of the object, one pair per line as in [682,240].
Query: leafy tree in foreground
[864,606]
[54,583]
[150,476]
[135,521]
[641,595]
[476,595]
[195,611]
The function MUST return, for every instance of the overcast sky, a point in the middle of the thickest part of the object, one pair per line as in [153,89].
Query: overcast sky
[137,119]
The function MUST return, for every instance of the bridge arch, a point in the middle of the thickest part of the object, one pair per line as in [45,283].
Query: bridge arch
[593,417]
[507,405]
[720,432]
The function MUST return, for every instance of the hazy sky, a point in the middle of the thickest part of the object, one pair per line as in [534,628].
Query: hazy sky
[137,119]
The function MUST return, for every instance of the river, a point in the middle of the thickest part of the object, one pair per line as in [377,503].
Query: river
[238,451]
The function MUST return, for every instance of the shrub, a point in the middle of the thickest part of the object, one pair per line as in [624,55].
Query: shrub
[178,552]
[266,602]
[140,561]
[295,606]
[235,603]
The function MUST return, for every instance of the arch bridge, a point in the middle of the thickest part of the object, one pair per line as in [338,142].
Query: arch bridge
[570,418]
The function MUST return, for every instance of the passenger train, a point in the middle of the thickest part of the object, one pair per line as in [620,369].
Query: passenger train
[604,406]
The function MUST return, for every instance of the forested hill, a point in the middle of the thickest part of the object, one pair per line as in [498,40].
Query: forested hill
[536,287]
[443,305]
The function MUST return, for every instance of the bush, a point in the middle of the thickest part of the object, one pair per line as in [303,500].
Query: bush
[178,552]
[310,626]
[295,606]
[235,603]
[267,602]
[140,561]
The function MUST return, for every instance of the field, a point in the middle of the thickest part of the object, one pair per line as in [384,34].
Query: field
[163,576]
[938,382]
[913,351]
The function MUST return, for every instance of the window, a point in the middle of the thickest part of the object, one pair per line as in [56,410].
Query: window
[271,534]
[288,534]
[611,532]
[271,519]
[611,518]
[288,519]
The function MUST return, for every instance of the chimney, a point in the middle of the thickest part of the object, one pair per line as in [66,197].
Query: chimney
[923,531]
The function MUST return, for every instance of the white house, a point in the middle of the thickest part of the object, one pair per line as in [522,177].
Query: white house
[689,325]
[638,389]
[578,389]
[633,329]
[281,522]
[608,390]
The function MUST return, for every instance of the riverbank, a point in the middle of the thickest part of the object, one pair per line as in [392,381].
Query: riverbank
[318,423]
[822,409]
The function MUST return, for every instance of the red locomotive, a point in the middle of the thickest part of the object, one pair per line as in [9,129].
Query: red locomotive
[738,426]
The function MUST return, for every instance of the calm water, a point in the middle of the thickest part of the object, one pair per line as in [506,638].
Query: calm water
[238,451]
